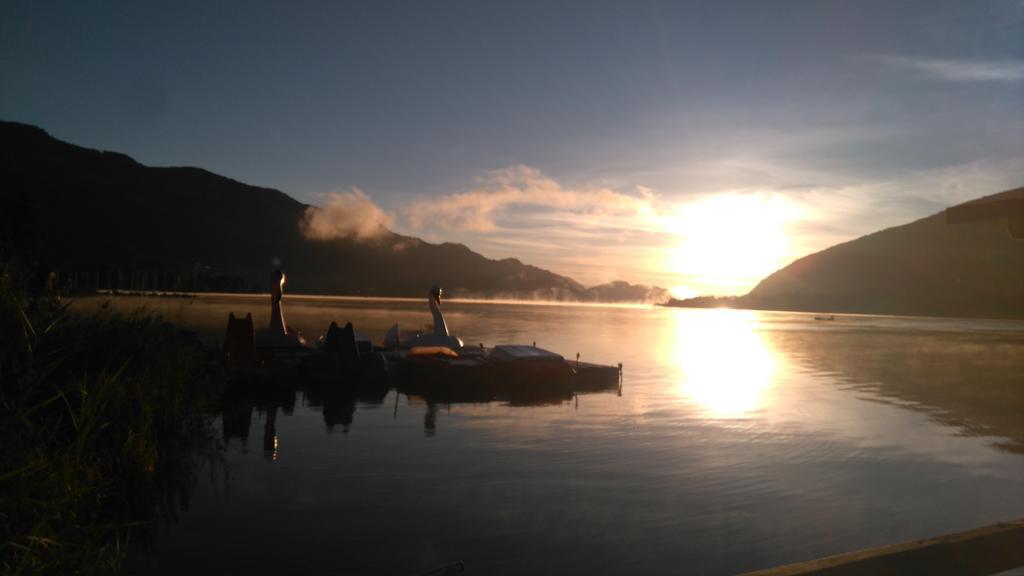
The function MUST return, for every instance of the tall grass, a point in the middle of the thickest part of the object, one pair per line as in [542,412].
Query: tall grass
[102,430]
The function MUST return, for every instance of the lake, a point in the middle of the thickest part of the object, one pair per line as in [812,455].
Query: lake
[741,440]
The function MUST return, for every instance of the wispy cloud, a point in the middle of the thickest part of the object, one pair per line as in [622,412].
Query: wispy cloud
[346,215]
[597,234]
[720,240]
[517,187]
[955,70]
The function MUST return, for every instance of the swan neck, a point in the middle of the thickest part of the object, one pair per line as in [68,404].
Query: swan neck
[440,328]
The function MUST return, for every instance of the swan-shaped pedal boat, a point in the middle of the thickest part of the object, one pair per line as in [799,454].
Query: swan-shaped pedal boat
[437,364]
[244,346]
[438,338]
[340,352]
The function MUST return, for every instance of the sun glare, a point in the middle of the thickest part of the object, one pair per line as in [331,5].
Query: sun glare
[724,365]
[729,242]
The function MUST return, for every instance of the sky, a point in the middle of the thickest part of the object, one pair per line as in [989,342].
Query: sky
[693,146]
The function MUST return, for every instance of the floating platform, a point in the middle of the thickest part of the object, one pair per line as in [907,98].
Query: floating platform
[514,373]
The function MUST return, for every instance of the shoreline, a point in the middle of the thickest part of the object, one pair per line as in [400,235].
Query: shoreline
[351,298]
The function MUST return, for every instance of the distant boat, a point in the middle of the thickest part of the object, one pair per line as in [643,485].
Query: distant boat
[830,317]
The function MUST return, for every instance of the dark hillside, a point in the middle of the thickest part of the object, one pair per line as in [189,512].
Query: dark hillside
[927,267]
[106,221]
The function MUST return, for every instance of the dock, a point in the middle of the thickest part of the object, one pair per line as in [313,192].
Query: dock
[978,552]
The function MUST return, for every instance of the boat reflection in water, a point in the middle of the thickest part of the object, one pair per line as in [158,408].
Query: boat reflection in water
[722,363]
[339,400]
[337,403]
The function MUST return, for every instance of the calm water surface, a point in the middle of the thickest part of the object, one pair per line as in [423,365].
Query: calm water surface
[741,440]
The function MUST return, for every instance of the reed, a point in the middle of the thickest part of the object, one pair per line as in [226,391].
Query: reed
[103,429]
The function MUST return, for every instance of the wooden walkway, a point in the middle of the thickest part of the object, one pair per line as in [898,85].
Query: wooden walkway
[977,552]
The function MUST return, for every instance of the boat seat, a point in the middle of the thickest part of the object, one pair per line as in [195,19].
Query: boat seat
[239,340]
[342,341]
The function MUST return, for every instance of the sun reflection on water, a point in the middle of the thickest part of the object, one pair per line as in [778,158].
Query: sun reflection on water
[724,364]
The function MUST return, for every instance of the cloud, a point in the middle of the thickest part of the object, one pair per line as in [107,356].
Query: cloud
[501,192]
[592,233]
[596,234]
[346,215]
[955,70]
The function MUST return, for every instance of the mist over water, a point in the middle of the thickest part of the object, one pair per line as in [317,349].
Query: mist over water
[741,440]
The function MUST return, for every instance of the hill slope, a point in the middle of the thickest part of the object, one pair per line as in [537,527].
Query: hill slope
[926,267]
[106,221]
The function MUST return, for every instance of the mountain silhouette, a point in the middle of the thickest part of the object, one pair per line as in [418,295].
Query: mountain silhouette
[102,220]
[928,267]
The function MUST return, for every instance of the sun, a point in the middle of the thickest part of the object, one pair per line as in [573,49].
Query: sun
[729,242]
